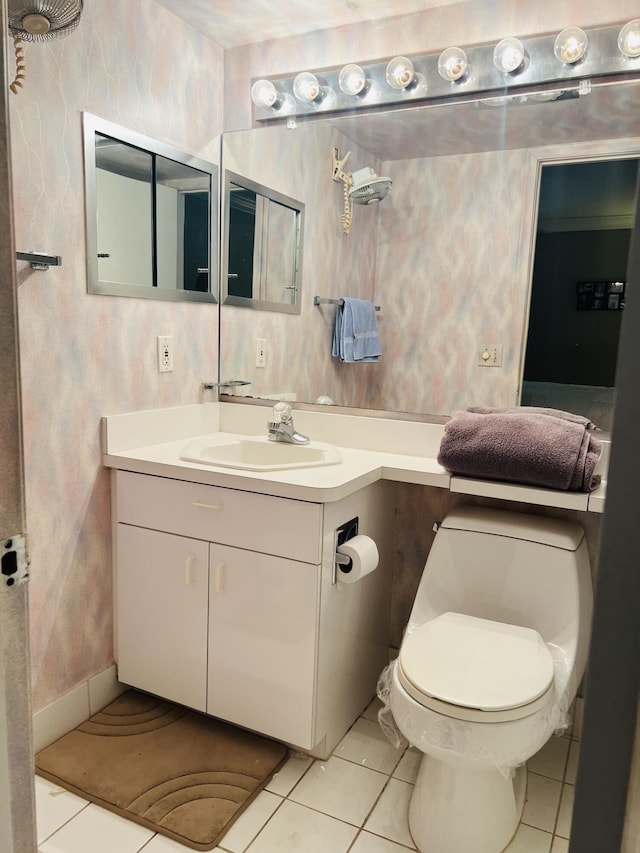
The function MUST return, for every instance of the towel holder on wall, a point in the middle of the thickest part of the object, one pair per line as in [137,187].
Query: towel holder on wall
[40,260]
[320,300]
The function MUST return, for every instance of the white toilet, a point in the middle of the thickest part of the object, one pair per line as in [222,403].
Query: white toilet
[492,656]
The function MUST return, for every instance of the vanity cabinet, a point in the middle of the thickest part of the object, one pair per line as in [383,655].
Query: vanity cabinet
[225,602]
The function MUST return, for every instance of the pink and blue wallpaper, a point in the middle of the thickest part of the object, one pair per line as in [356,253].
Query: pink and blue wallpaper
[83,356]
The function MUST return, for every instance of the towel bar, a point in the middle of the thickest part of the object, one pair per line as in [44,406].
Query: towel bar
[320,300]
[39,260]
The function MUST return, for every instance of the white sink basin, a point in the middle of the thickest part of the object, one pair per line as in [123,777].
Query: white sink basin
[257,453]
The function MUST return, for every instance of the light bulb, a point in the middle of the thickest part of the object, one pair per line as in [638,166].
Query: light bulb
[452,64]
[306,87]
[352,79]
[570,45]
[629,39]
[508,55]
[400,73]
[265,94]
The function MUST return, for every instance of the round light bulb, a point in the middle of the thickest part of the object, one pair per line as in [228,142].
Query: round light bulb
[570,45]
[306,87]
[400,73]
[452,64]
[508,55]
[629,39]
[265,94]
[352,79]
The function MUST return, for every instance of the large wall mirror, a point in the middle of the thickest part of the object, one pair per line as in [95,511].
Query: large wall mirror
[262,259]
[151,210]
[448,255]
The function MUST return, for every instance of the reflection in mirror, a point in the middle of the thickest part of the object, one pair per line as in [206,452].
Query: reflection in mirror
[263,247]
[586,216]
[150,213]
[448,257]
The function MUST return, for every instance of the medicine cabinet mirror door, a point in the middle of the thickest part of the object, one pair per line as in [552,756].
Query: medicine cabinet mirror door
[151,210]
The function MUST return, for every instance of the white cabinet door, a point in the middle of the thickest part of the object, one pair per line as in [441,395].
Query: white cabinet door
[162,601]
[262,643]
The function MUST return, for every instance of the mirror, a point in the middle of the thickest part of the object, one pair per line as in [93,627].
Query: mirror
[448,255]
[262,265]
[150,212]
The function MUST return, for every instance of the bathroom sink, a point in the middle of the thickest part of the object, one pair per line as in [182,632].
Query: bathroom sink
[258,453]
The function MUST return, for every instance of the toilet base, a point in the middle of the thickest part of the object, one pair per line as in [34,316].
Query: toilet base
[456,809]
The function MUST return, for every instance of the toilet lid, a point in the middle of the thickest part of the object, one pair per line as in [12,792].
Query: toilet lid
[476,663]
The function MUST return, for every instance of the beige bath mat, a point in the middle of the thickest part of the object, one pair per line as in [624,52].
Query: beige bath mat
[172,770]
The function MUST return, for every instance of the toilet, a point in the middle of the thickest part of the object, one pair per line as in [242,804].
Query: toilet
[491,659]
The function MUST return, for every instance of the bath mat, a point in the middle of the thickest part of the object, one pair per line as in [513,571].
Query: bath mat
[175,771]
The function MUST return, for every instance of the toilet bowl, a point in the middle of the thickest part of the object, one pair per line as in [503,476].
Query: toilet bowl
[489,665]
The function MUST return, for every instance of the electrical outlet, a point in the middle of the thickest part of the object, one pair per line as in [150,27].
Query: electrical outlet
[261,352]
[165,353]
[490,355]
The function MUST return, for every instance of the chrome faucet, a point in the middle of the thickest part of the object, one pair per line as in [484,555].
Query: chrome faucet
[281,428]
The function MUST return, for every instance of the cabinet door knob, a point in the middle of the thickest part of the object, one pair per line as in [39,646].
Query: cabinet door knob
[207,506]
[220,577]
[188,571]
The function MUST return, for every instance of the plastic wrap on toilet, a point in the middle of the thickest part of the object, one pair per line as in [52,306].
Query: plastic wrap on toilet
[385,714]
[504,745]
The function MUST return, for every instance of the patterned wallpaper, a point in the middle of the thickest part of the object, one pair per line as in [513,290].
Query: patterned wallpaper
[84,356]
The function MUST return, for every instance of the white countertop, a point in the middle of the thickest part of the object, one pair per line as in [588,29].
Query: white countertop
[151,442]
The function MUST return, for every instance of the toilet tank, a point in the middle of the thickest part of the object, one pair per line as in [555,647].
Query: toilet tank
[511,567]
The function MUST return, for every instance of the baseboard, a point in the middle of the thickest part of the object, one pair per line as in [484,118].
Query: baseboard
[76,706]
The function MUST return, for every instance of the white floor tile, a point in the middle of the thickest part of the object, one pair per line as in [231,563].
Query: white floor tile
[551,759]
[99,831]
[54,807]
[541,804]
[572,764]
[296,829]
[250,822]
[340,788]
[560,845]
[289,775]
[368,843]
[371,713]
[565,814]
[407,769]
[390,816]
[365,743]
[530,840]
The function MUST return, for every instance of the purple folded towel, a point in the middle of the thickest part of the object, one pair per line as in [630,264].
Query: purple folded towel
[536,450]
[535,410]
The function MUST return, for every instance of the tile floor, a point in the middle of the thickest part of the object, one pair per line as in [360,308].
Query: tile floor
[356,801]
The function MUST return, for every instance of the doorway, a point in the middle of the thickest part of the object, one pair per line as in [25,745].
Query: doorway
[586,217]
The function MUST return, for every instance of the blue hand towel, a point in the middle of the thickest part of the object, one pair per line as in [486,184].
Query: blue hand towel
[355,337]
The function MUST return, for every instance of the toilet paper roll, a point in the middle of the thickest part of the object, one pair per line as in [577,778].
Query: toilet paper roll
[363,553]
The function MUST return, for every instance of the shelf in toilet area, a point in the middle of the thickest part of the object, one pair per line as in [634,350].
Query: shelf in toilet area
[150,442]
[521,494]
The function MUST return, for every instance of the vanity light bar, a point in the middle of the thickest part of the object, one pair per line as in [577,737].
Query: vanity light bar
[511,64]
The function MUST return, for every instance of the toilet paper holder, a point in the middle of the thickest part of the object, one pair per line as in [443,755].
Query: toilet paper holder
[342,534]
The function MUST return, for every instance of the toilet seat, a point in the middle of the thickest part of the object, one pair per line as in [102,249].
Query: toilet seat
[476,669]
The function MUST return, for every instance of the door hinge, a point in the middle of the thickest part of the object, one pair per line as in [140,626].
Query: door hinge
[14,561]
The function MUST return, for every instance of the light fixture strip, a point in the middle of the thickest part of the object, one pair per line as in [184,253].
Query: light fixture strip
[539,67]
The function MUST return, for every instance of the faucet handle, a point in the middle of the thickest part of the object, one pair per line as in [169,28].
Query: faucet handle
[282,413]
